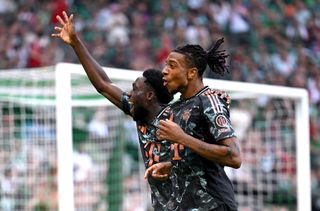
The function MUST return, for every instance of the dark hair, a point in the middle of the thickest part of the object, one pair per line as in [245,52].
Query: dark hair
[197,57]
[155,81]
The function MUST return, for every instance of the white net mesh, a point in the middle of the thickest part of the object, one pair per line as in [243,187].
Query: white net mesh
[27,141]
[107,174]
[267,178]
[107,139]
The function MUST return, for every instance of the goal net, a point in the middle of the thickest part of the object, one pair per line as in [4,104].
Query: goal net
[65,147]
[272,125]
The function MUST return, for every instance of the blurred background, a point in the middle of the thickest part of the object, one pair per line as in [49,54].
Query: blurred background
[273,42]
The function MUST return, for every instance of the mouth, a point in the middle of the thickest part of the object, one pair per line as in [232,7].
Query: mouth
[165,82]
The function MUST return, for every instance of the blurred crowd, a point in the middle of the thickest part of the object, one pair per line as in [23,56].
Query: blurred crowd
[269,41]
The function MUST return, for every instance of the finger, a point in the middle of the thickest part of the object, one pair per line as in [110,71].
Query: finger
[147,172]
[159,176]
[55,35]
[161,121]
[171,117]
[160,126]
[165,124]
[170,124]
[168,120]
[60,20]
[66,18]
[71,18]
[58,28]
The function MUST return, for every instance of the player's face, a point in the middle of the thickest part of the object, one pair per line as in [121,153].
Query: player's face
[175,73]
[137,99]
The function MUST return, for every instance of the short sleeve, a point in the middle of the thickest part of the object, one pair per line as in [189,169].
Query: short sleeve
[125,103]
[217,117]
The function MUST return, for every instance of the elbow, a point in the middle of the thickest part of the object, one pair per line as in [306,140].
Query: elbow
[100,85]
[103,87]
[237,163]
[99,89]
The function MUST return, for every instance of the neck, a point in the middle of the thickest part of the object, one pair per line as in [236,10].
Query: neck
[193,88]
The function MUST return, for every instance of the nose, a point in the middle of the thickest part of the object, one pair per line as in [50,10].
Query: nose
[165,71]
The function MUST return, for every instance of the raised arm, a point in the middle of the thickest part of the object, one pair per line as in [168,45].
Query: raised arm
[96,74]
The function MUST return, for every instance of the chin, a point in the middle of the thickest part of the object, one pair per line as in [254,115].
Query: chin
[139,114]
[139,119]
[172,91]
[135,118]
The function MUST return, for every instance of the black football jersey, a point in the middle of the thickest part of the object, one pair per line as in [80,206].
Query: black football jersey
[200,184]
[153,151]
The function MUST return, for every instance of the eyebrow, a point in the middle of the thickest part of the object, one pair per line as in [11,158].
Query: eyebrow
[172,61]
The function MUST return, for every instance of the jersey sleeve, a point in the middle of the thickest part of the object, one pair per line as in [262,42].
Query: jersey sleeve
[216,117]
[125,103]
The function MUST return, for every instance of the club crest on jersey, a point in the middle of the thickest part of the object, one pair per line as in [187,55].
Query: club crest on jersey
[221,121]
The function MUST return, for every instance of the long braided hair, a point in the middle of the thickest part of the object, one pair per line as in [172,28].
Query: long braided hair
[197,57]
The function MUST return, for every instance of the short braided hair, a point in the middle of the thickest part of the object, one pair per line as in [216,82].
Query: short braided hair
[154,80]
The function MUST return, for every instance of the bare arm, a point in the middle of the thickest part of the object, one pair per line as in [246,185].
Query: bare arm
[96,74]
[226,153]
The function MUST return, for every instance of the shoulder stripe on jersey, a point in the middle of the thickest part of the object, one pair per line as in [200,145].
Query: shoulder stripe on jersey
[219,108]
[216,106]
[207,93]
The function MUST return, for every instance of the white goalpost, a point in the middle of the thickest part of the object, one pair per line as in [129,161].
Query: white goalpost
[64,120]
[65,147]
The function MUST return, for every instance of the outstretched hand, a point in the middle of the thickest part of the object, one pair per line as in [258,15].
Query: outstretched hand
[67,31]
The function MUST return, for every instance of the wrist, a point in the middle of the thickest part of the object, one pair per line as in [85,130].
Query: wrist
[183,139]
[74,40]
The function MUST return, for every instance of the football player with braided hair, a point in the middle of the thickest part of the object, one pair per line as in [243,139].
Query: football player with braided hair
[203,139]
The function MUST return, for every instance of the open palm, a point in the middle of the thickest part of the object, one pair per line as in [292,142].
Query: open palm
[67,31]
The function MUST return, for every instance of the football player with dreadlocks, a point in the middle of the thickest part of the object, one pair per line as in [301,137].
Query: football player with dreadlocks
[202,136]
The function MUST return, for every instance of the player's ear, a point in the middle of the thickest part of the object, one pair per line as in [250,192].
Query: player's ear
[150,95]
[192,73]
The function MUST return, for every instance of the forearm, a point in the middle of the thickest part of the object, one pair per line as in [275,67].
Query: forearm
[94,71]
[227,154]
[96,74]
